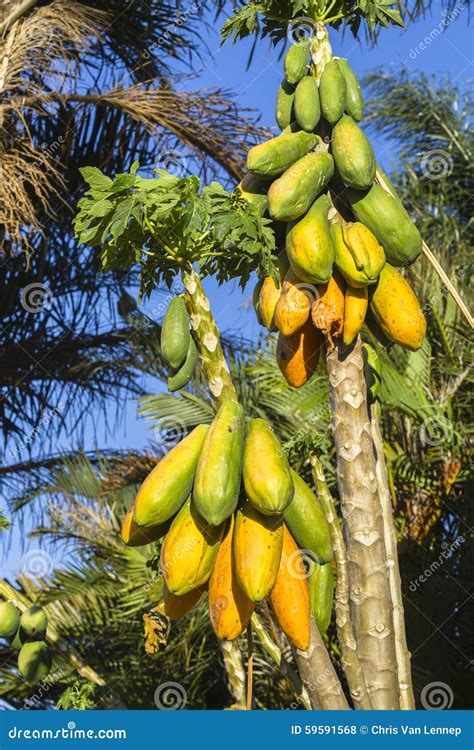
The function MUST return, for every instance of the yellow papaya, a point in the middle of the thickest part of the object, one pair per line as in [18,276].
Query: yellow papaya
[368,255]
[397,311]
[267,301]
[266,471]
[309,245]
[166,487]
[230,609]
[176,607]
[356,302]
[136,536]
[298,355]
[327,311]
[258,541]
[290,595]
[254,191]
[189,551]
[290,196]
[294,304]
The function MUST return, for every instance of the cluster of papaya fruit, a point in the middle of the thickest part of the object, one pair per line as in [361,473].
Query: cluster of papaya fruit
[238,521]
[25,634]
[344,234]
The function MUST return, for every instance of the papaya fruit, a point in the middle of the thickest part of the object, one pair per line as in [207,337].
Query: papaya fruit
[294,304]
[137,536]
[268,298]
[353,155]
[296,61]
[332,92]
[321,594]
[217,482]
[166,487]
[298,355]
[308,244]
[372,371]
[357,253]
[290,595]
[230,609]
[356,303]
[284,104]
[175,333]
[182,377]
[33,622]
[354,101]
[256,300]
[397,311]
[389,184]
[273,157]
[307,522]
[290,196]
[9,620]
[266,471]
[385,216]
[327,312]
[375,329]
[306,104]
[258,541]
[254,190]
[175,607]
[189,550]
[34,661]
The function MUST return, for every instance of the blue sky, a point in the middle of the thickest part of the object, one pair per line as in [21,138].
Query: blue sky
[433,45]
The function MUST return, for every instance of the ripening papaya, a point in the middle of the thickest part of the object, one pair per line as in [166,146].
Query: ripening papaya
[9,620]
[298,355]
[372,371]
[290,595]
[294,304]
[284,104]
[175,333]
[34,661]
[273,157]
[217,482]
[296,61]
[321,594]
[359,259]
[386,217]
[354,102]
[254,190]
[33,622]
[353,155]
[258,541]
[309,246]
[306,520]
[356,302]
[397,311]
[327,312]
[268,298]
[176,607]
[189,550]
[332,92]
[266,471]
[256,300]
[306,104]
[136,536]
[181,377]
[166,487]
[291,195]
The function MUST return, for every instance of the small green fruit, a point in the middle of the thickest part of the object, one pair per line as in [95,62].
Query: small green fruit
[33,621]
[9,620]
[34,661]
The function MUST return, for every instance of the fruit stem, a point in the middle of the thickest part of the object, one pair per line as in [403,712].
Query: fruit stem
[321,50]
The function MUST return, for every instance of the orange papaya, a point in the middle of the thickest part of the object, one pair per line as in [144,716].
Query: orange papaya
[327,311]
[136,536]
[176,607]
[298,355]
[294,304]
[290,595]
[267,301]
[258,541]
[356,302]
[397,311]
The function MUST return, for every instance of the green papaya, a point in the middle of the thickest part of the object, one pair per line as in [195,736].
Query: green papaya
[256,300]
[266,471]
[332,92]
[306,104]
[175,333]
[354,101]
[388,182]
[166,488]
[290,196]
[296,61]
[385,216]
[307,522]
[321,594]
[273,157]
[217,483]
[284,104]
[9,620]
[357,254]
[34,661]
[33,622]
[309,245]
[397,311]
[180,378]
[372,371]
[353,154]
[254,191]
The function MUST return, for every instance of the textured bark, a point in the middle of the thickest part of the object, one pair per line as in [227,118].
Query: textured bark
[345,631]
[370,594]
[234,667]
[407,700]
[319,676]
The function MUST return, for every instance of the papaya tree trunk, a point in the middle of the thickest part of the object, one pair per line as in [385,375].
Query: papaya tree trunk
[234,666]
[319,676]
[370,594]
